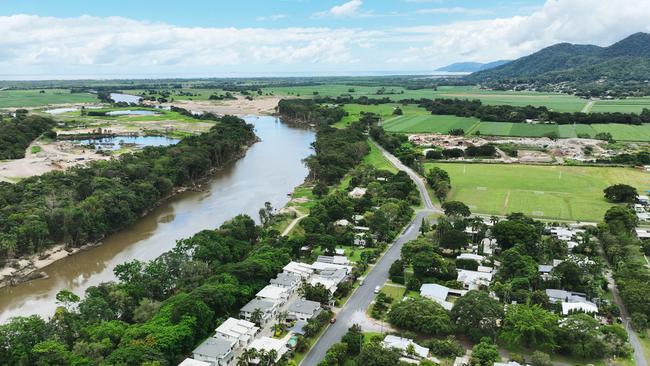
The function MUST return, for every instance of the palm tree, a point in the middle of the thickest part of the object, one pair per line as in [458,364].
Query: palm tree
[256,316]
[247,356]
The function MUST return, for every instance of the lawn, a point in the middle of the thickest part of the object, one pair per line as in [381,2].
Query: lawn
[551,192]
[33,98]
[377,159]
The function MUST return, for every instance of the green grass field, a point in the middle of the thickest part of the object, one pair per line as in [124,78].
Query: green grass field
[377,159]
[428,123]
[34,98]
[629,105]
[552,192]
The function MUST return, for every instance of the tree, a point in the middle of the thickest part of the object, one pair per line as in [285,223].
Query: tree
[485,353]
[316,292]
[456,209]
[621,219]
[18,337]
[256,316]
[621,193]
[373,354]
[511,232]
[529,326]
[336,355]
[477,315]
[396,271]
[454,240]
[421,315]
[541,359]
[354,339]
[580,337]
[67,299]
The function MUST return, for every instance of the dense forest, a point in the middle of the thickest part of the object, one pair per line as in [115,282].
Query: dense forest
[83,204]
[158,311]
[517,114]
[309,111]
[17,133]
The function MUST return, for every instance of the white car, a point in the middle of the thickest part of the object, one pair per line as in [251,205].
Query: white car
[377,289]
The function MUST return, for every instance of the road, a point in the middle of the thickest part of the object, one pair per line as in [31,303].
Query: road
[639,356]
[354,309]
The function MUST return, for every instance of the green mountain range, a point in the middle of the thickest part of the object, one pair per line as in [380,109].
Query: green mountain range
[626,60]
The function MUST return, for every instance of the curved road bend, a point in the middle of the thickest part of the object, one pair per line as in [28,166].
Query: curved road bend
[356,306]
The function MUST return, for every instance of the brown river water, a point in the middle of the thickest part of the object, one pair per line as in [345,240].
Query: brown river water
[269,170]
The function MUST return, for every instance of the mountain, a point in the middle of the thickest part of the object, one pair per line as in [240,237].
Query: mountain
[472,66]
[628,59]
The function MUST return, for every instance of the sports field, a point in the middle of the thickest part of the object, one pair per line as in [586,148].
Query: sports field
[552,192]
[33,98]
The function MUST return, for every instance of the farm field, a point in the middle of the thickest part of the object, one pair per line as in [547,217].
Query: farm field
[629,105]
[34,98]
[384,110]
[427,123]
[551,192]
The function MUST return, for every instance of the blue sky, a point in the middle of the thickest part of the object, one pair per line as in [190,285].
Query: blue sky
[143,38]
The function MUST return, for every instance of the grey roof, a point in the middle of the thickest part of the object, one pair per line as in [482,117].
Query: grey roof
[263,305]
[562,295]
[304,306]
[285,279]
[434,290]
[334,274]
[545,268]
[214,347]
[298,327]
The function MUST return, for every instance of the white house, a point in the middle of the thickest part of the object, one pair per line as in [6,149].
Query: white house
[642,233]
[268,309]
[269,344]
[290,281]
[585,306]
[274,293]
[402,344]
[238,330]
[193,362]
[215,351]
[437,293]
[357,192]
[335,259]
[472,280]
[471,256]
[303,310]
[303,270]
[342,223]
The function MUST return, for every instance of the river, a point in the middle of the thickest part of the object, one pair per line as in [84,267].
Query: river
[269,170]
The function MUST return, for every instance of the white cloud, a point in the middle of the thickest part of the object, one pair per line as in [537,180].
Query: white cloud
[454,10]
[91,45]
[271,17]
[350,9]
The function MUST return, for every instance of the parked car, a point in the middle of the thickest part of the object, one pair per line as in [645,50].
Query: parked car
[377,289]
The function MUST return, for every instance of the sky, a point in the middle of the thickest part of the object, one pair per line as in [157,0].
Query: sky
[201,38]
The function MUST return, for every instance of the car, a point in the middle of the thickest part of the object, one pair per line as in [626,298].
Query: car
[333,320]
[362,282]
[377,289]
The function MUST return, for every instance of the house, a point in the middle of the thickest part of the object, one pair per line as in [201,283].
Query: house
[342,223]
[642,233]
[336,259]
[402,344]
[643,216]
[318,267]
[437,293]
[472,280]
[509,363]
[470,256]
[488,246]
[289,281]
[545,270]
[357,218]
[215,351]
[240,331]
[555,296]
[303,270]
[360,229]
[303,310]
[268,309]
[340,252]
[192,362]
[584,306]
[461,361]
[485,269]
[360,239]
[274,293]
[269,344]
[298,327]
[643,199]
[357,192]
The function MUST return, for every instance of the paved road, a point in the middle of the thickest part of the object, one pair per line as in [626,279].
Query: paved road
[639,356]
[356,306]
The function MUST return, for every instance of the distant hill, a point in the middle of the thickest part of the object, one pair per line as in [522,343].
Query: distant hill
[472,66]
[628,59]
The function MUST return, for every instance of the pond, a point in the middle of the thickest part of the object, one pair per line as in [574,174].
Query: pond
[129,112]
[115,143]
[126,98]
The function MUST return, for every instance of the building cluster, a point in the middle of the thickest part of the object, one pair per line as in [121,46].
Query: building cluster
[279,301]
[642,208]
